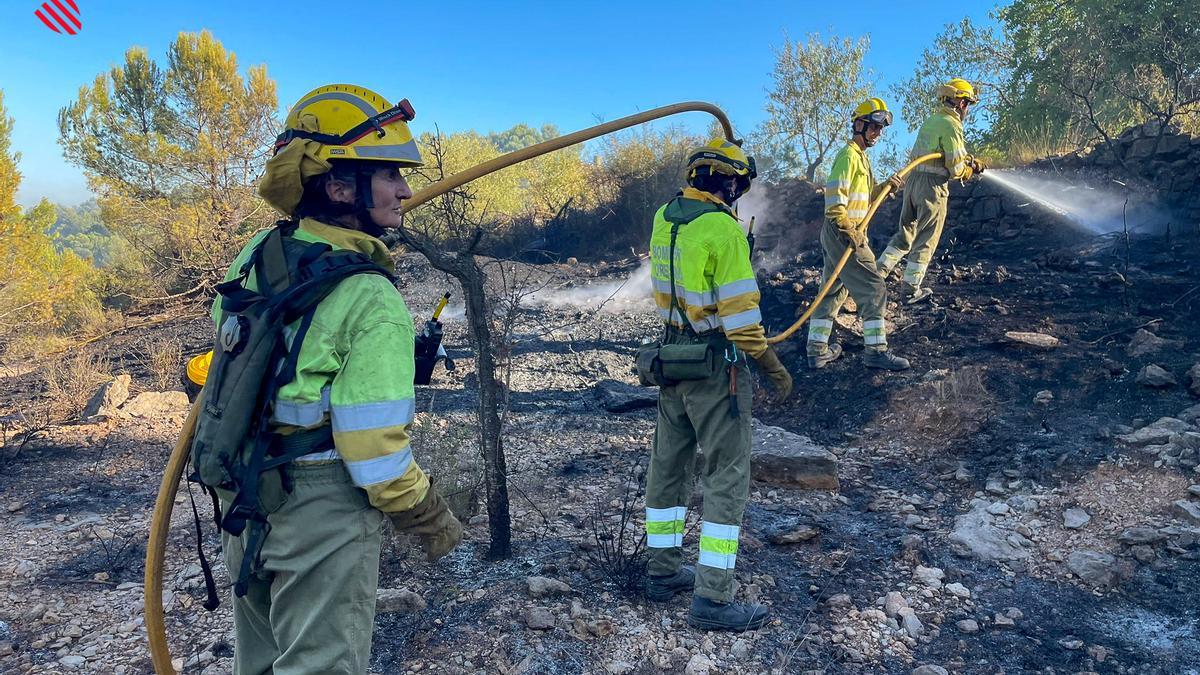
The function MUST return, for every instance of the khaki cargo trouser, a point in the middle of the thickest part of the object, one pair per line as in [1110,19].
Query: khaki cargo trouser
[861,280]
[695,415]
[311,606]
[921,220]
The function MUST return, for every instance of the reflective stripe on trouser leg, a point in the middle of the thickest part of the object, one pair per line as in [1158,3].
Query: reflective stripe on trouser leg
[890,258]
[718,545]
[818,335]
[874,333]
[664,527]
[914,273]
[669,479]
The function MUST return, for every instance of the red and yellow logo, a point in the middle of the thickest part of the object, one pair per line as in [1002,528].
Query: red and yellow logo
[60,16]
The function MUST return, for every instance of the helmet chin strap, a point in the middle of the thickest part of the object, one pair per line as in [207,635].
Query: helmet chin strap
[364,201]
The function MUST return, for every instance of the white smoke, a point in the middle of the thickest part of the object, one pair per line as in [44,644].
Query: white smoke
[627,295]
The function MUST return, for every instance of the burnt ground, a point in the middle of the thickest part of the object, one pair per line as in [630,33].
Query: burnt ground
[915,448]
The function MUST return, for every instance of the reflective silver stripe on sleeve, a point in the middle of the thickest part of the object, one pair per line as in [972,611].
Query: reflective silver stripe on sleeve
[377,415]
[736,288]
[301,413]
[381,469]
[741,319]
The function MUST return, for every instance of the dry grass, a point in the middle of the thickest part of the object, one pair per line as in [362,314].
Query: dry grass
[954,405]
[164,360]
[449,452]
[71,381]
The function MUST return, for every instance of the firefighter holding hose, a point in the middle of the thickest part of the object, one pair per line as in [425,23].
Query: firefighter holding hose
[848,194]
[927,193]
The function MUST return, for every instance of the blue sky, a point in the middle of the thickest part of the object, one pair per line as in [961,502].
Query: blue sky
[485,66]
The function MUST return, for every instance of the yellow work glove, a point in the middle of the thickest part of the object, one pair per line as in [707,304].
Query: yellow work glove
[432,522]
[780,378]
[896,181]
[977,165]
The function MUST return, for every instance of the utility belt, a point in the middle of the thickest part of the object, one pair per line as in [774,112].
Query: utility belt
[316,445]
[933,170]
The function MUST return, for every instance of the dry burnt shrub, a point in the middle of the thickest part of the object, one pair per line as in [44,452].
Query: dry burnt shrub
[448,451]
[620,552]
[70,382]
[163,360]
[947,405]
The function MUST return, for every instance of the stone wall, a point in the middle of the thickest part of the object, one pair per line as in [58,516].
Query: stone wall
[1160,175]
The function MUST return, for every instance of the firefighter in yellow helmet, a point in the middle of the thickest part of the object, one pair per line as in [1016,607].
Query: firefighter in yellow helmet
[708,298]
[923,213]
[306,583]
[848,195]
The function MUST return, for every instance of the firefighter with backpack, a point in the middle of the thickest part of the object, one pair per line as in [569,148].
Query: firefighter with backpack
[303,429]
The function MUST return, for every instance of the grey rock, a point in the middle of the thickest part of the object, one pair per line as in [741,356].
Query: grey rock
[540,587]
[1194,380]
[155,404]
[1155,377]
[976,536]
[699,664]
[779,457]
[998,509]
[1194,490]
[913,626]
[1094,568]
[398,601]
[929,670]
[958,590]
[1073,519]
[930,576]
[539,618]
[840,601]
[1144,342]
[1071,643]
[795,536]
[1141,535]
[995,487]
[1186,511]
[73,661]
[893,602]
[108,397]
[1002,621]
[1154,434]
[618,397]
[968,626]
[1191,415]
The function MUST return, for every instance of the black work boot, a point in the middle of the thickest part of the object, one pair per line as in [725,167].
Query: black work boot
[662,589]
[735,616]
[884,360]
[821,359]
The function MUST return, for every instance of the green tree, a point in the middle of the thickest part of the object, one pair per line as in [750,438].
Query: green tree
[174,153]
[814,88]
[42,290]
[979,54]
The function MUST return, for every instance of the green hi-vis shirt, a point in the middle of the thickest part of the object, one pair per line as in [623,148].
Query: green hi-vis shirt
[943,132]
[355,371]
[714,283]
[849,188]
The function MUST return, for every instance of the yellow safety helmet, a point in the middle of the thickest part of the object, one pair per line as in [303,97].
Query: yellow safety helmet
[723,157]
[873,110]
[352,122]
[197,368]
[958,88]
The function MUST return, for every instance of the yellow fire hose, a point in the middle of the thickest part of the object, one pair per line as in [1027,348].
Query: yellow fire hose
[160,524]
[849,251]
